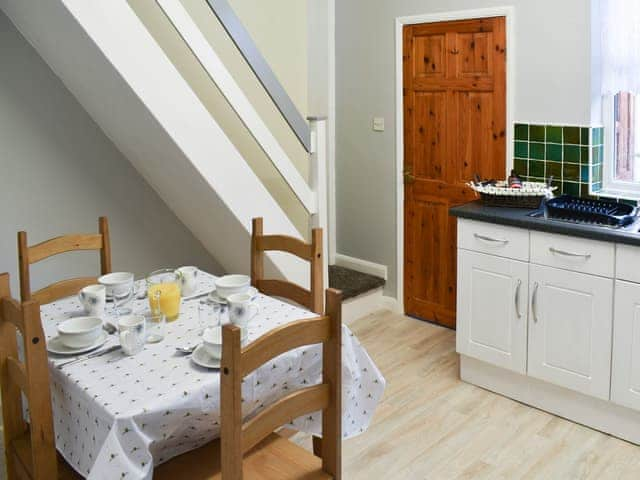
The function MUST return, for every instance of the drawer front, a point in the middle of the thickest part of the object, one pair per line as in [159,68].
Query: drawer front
[494,239]
[573,253]
[627,262]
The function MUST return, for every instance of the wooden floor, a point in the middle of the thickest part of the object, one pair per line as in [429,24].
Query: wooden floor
[431,425]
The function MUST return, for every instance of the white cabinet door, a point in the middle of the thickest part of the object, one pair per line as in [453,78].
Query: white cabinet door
[492,309]
[625,373]
[570,322]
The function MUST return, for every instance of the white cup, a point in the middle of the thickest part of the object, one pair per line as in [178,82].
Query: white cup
[240,307]
[212,342]
[133,333]
[189,280]
[93,299]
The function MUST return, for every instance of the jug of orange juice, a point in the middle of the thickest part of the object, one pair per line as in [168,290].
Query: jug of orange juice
[163,290]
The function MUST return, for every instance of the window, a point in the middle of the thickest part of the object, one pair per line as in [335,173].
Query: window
[620,59]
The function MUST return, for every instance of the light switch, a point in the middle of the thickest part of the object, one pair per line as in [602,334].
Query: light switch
[378,124]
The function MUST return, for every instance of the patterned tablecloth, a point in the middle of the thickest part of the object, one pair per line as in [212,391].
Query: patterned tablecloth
[117,416]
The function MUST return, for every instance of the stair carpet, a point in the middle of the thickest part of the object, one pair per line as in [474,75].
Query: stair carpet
[361,292]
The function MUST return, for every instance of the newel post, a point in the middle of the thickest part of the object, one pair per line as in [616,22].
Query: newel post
[319,185]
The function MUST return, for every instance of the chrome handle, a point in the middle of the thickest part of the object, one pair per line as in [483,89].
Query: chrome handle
[490,239]
[534,302]
[570,254]
[517,299]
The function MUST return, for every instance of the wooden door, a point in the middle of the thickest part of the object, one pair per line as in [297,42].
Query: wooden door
[492,310]
[454,121]
[570,327]
[625,371]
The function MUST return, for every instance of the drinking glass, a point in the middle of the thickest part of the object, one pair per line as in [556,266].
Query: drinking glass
[164,292]
[123,294]
[156,323]
[208,315]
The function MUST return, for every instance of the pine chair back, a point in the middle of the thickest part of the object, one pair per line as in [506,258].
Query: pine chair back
[29,447]
[55,246]
[237,437]
[311,252]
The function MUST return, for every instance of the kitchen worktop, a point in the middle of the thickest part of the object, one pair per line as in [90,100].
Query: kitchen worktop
[520,217]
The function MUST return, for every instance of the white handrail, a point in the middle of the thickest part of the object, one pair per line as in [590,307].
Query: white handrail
[216,69]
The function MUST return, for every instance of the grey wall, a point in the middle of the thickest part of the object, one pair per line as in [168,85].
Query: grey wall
[59,172]
[552,85]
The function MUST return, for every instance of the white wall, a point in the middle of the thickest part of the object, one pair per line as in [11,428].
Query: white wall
[552,85]
[59,172]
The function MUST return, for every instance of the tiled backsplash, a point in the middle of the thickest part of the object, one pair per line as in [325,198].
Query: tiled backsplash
[564,152]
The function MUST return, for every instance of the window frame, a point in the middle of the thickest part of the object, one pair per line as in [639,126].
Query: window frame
[610,186]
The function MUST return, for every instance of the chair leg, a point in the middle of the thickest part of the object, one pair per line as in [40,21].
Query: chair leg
[317,446]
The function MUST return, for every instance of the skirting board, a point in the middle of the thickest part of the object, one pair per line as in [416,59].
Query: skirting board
[362,266]
[366,304]
[592,412]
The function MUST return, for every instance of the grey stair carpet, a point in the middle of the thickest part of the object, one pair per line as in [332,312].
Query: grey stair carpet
[352,283]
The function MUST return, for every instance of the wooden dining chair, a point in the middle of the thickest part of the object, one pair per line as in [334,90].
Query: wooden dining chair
[55,246]
[249,449]
[30,449]
[311,252]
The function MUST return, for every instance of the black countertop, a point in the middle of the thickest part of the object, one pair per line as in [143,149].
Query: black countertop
[520,217]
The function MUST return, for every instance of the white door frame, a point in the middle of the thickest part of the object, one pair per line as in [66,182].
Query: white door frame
[506,11]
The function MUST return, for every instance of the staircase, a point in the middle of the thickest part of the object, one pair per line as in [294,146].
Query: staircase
[110,61]
[362,293]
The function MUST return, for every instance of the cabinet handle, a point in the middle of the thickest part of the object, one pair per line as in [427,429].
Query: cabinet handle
[517,299]
[570,254]
[490,239]
[534,302]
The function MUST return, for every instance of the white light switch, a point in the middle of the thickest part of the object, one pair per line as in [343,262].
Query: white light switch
[378,124]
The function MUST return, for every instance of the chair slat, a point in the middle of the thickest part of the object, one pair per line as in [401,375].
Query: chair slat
[17,374]
[66,243]
[285,243]
[282,288]
[64,288]
[12,313]
[301,402]
[283,339]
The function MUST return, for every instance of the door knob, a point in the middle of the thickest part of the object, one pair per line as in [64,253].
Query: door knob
[408,177]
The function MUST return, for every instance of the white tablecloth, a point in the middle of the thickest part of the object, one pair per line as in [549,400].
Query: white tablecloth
[117,416]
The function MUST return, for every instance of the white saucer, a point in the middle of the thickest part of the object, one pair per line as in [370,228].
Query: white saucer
[54,345]
[202,358]
[215,298]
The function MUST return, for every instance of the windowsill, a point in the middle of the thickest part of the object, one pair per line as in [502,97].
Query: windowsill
[617,194]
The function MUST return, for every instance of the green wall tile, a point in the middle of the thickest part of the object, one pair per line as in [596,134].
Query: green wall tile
[571,154]
[521,166]
[571,172]
[554,169]
[596,155]
[537,151]
[584,155]
[554,152]
[521,131]
[536,169]
[584,173]
[536,133]
[570,188]
[597,136]
[554,134]
[521,149]
[596,173]
[584,136]
[571,135]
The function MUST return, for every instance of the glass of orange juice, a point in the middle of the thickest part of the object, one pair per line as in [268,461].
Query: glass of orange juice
[163,290]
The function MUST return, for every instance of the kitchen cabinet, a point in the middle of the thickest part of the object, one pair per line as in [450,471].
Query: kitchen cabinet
[492,309]
[625,374]
[570,329]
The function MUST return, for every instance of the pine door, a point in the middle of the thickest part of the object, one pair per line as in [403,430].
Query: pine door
[454,120]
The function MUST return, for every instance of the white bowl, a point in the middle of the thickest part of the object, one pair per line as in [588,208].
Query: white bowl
[212,342]
[80,332]
[117,283]
[231,284]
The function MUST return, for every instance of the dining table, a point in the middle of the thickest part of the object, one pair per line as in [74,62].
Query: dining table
[118,416]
